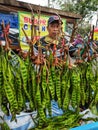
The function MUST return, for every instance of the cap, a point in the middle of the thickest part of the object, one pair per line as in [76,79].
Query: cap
[54,18]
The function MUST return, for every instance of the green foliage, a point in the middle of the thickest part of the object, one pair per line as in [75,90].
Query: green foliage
[86,8]
[82,7]
[83,30]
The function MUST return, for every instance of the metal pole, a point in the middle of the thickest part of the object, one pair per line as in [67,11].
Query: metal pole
[97,20]
[48,3]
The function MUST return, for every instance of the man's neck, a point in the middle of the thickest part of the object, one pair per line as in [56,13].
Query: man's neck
[49,39]
[53,38]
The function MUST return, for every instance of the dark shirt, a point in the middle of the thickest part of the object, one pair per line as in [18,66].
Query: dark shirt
[45,42]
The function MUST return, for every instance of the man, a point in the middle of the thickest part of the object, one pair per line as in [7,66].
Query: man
[54,38]
[53,42]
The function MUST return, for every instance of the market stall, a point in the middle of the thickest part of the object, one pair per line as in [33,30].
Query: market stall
[47,92]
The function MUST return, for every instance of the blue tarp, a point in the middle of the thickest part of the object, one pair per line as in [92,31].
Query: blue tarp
[24,120]
[12,18]
[91,126]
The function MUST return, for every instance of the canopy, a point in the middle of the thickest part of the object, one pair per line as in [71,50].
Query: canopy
[95,29]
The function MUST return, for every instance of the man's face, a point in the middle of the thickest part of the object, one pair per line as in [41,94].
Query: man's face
[53,29]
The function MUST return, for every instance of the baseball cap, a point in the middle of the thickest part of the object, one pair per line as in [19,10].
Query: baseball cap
[54,18]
